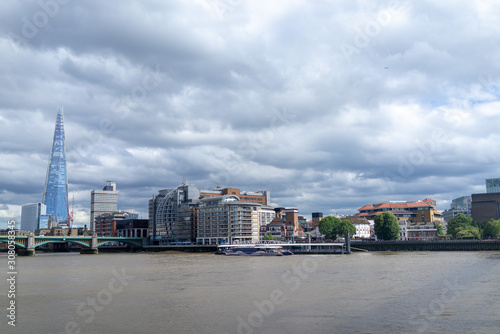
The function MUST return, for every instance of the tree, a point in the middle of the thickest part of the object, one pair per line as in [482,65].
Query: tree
[491,229]
[333,227]
[269,237]
[327,227]
[458,223]
[469,233]
[387,226]
[440,231]
[345,226]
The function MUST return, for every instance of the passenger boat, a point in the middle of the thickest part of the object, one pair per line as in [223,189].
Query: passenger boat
[252,250]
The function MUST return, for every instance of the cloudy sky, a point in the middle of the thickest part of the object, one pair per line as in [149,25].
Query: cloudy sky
[328,104]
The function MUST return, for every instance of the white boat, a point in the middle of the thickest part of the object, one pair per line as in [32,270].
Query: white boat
[252,250]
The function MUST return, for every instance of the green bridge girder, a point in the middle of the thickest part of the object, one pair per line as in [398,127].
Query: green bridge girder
[21,241]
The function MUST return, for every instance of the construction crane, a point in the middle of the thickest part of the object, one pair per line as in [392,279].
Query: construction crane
[70,214]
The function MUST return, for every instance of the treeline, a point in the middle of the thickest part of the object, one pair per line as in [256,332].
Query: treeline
[387,227]
[464,227]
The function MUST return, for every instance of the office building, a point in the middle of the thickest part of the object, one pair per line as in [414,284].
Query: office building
[152,208]
[55,195]
[31,215]
[485,206]
[493,185]
[461,203]
[106,224]
[45,222]
[413,211]
[172,214]
[133,226]
[103,201]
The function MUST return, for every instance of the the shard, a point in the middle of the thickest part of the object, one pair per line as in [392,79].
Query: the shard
[55,195]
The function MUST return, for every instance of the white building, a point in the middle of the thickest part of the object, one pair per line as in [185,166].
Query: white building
[362,226]
[403,226]
[30,216]
[266,214]
[103,201]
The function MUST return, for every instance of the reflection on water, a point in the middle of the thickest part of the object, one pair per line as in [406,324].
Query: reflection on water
[406,292]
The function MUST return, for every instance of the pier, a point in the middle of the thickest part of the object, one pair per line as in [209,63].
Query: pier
[296,248]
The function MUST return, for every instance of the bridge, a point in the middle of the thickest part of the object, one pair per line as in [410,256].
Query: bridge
[26,244]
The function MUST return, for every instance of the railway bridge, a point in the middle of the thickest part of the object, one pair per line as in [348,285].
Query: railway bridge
[26,245]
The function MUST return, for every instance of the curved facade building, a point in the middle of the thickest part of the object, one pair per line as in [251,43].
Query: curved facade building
[175,215]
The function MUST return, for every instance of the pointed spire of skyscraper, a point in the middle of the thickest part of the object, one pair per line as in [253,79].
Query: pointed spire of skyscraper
[55,195]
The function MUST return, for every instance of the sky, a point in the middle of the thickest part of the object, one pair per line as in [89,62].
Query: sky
[330,105]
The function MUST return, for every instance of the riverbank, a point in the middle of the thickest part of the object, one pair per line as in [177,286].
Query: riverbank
[356,246]
[431,245]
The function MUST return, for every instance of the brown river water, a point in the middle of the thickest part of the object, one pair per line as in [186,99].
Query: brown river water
[404,292]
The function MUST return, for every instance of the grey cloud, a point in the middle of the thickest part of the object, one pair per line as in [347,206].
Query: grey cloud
[262,97]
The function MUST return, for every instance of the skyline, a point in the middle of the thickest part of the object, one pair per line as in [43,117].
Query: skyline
[329,105]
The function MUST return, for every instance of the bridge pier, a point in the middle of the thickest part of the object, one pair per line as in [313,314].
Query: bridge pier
[30,246]
[26,252]
[93,246]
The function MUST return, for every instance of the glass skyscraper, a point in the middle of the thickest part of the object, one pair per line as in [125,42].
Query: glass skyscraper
[493,185]
[55,195]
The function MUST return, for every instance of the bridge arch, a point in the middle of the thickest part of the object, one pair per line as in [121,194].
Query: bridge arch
[15,242]
[81,243]
[124,241]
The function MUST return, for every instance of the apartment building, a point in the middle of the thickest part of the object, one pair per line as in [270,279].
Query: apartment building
[173,213]
[227,220]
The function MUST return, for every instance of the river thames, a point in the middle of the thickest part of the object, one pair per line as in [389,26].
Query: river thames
[170,292]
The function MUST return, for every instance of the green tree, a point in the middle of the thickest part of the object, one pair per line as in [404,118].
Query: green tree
[440,231]
[458,223]
[491,229]
[469,233]
[332,227]
[387,226]
[269,237]
[345,226]
[327,227]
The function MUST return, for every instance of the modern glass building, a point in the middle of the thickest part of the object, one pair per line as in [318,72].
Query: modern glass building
[493,185]
[103,201]
[31,215]
[175,215]
[461,203]
[55,195]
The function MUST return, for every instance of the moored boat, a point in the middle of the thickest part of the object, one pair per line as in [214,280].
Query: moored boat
[252,250]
